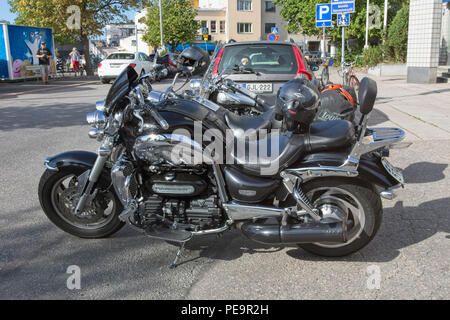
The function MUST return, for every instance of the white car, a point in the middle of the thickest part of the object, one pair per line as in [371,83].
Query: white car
[113,65]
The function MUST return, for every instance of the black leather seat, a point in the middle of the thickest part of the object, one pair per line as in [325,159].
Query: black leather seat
[269,155]
[243,123]
[329,135]
[266,156]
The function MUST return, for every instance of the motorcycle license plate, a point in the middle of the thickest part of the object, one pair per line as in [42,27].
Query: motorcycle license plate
[396,173]
[259,87]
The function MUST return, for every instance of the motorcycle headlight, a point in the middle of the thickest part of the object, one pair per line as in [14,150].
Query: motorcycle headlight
[96,119]
[100,106]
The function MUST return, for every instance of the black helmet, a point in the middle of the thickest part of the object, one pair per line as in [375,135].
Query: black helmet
[298,101]
[194,58]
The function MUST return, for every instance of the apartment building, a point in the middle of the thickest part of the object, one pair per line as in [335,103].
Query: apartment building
[246,20]
[239,20]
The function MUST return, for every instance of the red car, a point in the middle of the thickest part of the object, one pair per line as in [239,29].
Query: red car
[274,64]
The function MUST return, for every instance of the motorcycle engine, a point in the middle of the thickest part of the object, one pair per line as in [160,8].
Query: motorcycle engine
[201,213]
[177,192]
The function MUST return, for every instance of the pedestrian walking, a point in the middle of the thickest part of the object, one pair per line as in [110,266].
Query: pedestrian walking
[76,57]
[44,55]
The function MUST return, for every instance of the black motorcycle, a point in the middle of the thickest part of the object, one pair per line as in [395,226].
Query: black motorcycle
[320,188]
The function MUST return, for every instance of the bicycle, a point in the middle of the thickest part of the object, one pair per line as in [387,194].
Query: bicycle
[327,62]
[350,79]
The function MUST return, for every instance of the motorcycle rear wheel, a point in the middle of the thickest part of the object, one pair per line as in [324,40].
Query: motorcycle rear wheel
[364,209]
[58,196]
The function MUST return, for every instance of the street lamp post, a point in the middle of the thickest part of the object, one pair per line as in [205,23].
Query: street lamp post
[367,25]
[386,4]
[160,30]
[161,22]
[137,39]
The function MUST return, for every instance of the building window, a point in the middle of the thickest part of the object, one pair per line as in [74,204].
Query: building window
[222,26]
[213,26]
[204,24]
[270,7]
[268,27]
[244,5]
[244,27]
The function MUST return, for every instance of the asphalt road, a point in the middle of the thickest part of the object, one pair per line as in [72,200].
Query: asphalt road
[411,249]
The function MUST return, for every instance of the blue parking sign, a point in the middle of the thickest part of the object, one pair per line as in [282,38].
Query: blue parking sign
[323,15]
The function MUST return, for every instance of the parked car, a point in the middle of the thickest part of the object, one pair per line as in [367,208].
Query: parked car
[112,66]
[274,63]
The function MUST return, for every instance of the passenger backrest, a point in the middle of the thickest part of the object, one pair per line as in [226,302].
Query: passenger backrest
[367,95]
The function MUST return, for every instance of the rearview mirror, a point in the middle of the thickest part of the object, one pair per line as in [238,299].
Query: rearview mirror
[163,51]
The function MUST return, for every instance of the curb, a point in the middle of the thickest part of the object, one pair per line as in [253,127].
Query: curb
[48,89]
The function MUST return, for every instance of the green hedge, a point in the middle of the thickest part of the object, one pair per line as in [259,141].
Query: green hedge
[397,38]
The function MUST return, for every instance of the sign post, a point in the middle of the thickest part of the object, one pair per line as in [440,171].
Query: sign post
[323,19]
[343,8]
[343,21]
[205,34]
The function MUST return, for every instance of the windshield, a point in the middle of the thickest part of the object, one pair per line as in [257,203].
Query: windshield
[263,58]
[121,56]
[120,87]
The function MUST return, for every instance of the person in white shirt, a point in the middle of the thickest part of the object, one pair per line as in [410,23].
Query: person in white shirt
[75,56]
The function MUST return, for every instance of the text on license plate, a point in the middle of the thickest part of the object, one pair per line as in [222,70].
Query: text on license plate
[259,87]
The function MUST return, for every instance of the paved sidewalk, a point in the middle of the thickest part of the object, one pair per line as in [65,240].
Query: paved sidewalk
[36,86]
[422,110]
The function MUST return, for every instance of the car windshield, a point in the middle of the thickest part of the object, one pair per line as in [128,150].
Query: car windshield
[121,56]
[263,58]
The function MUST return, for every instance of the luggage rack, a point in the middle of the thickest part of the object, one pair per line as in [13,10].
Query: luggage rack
[385,135]
[374,138]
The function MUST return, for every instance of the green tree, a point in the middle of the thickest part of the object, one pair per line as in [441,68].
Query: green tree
[301,17]
[93,16]
[179,24]
[397,39]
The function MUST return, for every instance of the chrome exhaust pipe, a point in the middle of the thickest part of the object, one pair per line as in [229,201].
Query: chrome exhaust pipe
[296,233]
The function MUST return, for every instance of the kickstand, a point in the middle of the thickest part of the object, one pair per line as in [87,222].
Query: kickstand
[174,263]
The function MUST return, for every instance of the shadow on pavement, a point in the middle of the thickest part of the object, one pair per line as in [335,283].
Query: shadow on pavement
[44,117]
[34,264]
[401,228]
[377,117]
[424,172]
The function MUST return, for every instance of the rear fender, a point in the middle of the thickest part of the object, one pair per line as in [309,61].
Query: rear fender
[370,169]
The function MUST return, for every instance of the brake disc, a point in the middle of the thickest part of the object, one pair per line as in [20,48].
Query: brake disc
[68,201]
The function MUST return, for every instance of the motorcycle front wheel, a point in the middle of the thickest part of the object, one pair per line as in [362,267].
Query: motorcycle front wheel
[58,195]
[351,199]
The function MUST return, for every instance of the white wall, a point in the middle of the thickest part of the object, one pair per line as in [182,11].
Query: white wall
[142,46]
[213,3]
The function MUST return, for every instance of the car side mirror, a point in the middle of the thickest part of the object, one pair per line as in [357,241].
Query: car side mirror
[314,67]
[367,95]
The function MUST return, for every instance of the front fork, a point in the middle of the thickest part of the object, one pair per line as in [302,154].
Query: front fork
[87,195]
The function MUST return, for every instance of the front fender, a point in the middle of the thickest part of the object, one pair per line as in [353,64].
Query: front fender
[77,162]
[81,159]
